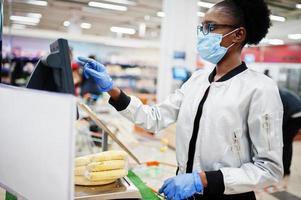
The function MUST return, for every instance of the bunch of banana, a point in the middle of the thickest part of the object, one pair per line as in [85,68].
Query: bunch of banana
[99,169]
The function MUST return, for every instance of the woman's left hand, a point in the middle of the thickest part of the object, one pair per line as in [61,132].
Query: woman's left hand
[182,186]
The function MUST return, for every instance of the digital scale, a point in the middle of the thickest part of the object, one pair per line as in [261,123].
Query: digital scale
[121,189]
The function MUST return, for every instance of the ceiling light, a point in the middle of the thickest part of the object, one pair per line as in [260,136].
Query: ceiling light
[131,3]
[124,30]
[24,19]
[275,42]
[277,18]
[160,14]
[201,14]
[107,6]
[298,6]
[85,25]
[294,36]
[66,23]
[205,4]
[38,3]
[18,26]
[34,15]
[25,23]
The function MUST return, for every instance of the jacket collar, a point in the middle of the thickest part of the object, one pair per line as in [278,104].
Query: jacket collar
[237,70]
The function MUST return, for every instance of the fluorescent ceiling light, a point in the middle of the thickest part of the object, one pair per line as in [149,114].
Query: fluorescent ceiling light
[107,6]
[34,15]
[205,4]
[24,19]
[294,36]
[25,23]
[275,42]
[298,6]
[277,18]
[131,3]
[66,23]
[85,25]
[124,30]
[38,3]
[201,14]
[160,14]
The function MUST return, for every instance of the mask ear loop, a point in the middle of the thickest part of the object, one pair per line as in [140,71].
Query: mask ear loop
[229,34]
[231,45]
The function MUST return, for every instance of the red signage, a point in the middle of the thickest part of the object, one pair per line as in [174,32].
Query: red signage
[274,54]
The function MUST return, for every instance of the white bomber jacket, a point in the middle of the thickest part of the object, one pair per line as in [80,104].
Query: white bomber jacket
[231,128]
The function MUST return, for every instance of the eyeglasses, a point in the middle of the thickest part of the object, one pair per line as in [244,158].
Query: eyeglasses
[209,27]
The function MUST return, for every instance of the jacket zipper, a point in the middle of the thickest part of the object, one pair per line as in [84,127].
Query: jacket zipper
[237,146]
[267,129]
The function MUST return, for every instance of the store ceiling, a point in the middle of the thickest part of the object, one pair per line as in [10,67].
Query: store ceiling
[143,12]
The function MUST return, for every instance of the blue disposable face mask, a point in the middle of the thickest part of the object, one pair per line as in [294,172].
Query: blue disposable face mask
[209,46]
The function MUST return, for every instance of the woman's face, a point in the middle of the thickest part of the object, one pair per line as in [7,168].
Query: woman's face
[223,22]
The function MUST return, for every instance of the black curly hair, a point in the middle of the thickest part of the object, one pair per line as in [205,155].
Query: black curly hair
[253,15]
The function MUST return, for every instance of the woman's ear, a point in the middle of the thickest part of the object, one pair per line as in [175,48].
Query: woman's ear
[240,35]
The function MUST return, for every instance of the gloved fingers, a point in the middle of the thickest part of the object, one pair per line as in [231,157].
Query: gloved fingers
[162,189]
[97,66]
[100,67]
[81,63]
[93,64]
[86,74]
[166,182]
[85,60]
[93,73]
[169,192]
[178,196]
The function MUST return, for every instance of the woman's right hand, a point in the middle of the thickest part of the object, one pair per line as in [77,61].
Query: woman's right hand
[92,68]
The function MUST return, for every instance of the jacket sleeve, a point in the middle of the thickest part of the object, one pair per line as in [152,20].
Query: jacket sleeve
[152,118]
[265,132]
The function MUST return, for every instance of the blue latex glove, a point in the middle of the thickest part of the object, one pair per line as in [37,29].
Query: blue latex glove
[182,186]
[92,68]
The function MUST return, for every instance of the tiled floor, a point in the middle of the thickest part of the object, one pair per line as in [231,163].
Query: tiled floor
[293,191]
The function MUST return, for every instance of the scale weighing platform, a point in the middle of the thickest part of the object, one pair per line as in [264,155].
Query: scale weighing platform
[121,189]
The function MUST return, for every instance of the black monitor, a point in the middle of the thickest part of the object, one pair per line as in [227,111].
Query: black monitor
[53,72]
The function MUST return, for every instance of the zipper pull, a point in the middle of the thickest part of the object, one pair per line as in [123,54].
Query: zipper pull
[267,128]
[236,142]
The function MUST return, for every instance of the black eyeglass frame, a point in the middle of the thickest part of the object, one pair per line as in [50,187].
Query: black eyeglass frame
[212,26]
